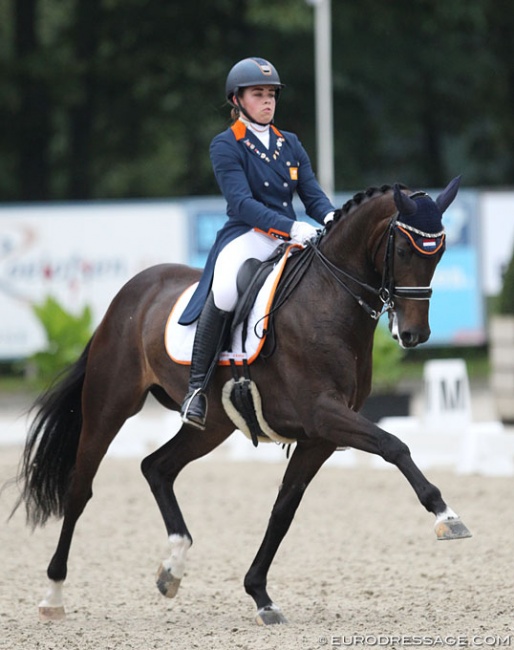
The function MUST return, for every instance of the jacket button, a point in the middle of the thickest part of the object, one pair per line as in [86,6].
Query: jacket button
[266,184]
[286,184]
[284,204]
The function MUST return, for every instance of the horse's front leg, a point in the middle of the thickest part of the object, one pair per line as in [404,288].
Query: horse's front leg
[305,462]
[347,428]
[448,524]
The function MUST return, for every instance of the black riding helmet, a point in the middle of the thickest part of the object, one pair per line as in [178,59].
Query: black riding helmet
[252,71]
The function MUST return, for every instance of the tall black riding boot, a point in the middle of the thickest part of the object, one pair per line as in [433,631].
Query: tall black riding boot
[210,332]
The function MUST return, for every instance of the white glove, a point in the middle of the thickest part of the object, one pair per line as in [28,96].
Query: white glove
[301,231]
[329,217]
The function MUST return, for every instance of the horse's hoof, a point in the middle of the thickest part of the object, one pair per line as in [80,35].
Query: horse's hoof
[270,615]
[47,614]
[451,529]
[166,582]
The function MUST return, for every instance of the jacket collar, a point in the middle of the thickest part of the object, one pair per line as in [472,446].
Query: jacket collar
[271,156]
[239,130]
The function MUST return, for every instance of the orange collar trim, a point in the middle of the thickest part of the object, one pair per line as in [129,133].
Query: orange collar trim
[239,130]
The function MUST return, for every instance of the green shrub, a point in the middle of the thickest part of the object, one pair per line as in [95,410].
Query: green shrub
[387,359]
[506,296]
[66,334]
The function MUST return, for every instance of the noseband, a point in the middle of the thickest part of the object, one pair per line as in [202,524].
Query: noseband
[388,291]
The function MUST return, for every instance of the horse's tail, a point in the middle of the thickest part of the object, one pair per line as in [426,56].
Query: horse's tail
[50,450]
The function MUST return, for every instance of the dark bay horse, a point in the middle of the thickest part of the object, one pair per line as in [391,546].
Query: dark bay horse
[313,379]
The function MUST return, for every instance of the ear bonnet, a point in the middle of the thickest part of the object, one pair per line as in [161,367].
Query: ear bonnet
[420,219]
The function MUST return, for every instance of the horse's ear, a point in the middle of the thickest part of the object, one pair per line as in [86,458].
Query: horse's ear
[404,203]
[447,196]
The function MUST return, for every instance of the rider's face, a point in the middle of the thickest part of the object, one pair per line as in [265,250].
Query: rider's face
[259,102]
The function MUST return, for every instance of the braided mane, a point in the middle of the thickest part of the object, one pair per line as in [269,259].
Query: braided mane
[361,197]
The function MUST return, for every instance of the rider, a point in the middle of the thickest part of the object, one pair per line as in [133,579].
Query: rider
[258,168]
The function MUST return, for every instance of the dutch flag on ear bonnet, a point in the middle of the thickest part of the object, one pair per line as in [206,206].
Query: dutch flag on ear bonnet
[420,219]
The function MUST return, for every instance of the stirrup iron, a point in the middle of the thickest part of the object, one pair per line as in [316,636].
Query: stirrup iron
[199,423]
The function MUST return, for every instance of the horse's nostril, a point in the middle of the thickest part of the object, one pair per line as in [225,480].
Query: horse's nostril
[409,339]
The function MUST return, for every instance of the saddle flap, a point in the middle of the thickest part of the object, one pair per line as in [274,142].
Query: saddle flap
[178,339]
[250,280]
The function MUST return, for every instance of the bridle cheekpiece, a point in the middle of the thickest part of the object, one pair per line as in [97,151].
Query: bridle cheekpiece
[423,243]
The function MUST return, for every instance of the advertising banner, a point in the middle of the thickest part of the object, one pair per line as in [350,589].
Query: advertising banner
[80,254]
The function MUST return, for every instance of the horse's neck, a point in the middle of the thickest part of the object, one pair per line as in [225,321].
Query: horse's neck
[351,245]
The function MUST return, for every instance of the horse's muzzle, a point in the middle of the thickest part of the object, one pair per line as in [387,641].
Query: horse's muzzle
[408,336]
[411,338]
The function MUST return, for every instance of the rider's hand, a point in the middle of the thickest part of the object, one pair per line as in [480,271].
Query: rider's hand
[331,218]
[301,231]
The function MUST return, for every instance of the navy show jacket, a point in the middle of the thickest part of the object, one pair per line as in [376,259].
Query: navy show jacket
[258,185]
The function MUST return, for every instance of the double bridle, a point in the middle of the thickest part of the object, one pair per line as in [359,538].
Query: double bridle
[387,291]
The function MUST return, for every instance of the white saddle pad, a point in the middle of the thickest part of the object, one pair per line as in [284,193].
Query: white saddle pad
[178,339]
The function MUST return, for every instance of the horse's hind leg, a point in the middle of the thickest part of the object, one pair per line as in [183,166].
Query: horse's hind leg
[52,607]
[89,457]
[303,466]
[107,404]
[160,470]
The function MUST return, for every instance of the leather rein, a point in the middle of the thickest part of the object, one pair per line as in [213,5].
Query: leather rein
[387,291]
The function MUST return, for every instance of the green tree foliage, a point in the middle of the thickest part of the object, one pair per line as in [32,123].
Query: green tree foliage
[67,335]
[120,99]
[387,359]
[412,89]
[506,296]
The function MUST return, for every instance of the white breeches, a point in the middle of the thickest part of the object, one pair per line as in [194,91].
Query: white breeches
[229,261]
